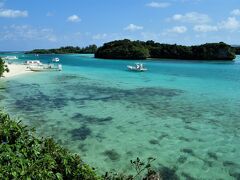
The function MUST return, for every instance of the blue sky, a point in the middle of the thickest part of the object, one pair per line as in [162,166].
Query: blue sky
[29,24]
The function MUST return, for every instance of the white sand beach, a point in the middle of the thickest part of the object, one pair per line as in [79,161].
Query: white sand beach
[16,69]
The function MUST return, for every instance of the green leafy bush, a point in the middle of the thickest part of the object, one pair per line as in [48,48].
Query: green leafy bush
[23,156]
[3,67]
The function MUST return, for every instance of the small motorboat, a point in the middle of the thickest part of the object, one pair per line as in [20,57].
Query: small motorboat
[33,63]
[137,67]
[43,68]
[10,58]
[55,60]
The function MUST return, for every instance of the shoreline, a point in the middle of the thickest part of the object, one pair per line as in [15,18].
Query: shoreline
[15,70]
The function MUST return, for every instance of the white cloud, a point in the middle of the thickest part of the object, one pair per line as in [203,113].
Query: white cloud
[205,28]
[133,27]
[74,18]
[25,32]
[158,4]
[178,29]
[99,36]
[192,17]
[235,12]
[10,13]
[231,24]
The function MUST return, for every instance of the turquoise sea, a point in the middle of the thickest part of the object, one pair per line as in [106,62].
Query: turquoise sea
[186,114]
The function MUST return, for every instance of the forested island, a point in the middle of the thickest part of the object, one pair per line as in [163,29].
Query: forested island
[91,49]
[127,49]
[135,50]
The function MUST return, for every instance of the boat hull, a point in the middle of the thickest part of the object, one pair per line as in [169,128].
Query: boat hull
[132,68]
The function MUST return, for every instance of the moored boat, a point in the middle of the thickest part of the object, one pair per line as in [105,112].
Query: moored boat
[10,58]
[137,67]
[33,63]
[43,68]
[55,60]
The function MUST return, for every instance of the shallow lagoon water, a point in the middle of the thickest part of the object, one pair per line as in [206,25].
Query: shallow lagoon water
[185,114]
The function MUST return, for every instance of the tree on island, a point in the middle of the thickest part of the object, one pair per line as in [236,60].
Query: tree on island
[3,67]
[126,49]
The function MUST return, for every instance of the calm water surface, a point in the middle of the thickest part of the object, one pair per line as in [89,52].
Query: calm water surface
[185,114]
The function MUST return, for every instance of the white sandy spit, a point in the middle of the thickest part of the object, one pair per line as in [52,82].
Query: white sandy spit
[15,70]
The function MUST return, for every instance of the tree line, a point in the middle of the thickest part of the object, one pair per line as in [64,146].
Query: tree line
[91,49]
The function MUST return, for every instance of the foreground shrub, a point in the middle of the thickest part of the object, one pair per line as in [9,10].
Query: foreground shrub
[23,156]
[3,67]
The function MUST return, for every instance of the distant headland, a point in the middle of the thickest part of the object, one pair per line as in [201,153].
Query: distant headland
[140,50]
[126,49]
[91,49]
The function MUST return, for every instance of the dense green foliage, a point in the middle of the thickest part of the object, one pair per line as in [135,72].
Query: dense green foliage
[22,156]
[209,51]
[3,67]
[91,49]
[123,49]
[237,50]
[126,49]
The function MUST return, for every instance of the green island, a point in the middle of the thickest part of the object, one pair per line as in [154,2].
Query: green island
[91,49]
[127,49]
[135,50]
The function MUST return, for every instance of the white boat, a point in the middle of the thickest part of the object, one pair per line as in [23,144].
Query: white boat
[138,67]
[55,60]
[33,63]
[43,68]
[10,58]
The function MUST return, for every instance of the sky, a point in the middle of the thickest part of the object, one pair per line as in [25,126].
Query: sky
[30,24]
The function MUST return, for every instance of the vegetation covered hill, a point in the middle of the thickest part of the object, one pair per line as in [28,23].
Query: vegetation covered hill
[126,49]
[91,49]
